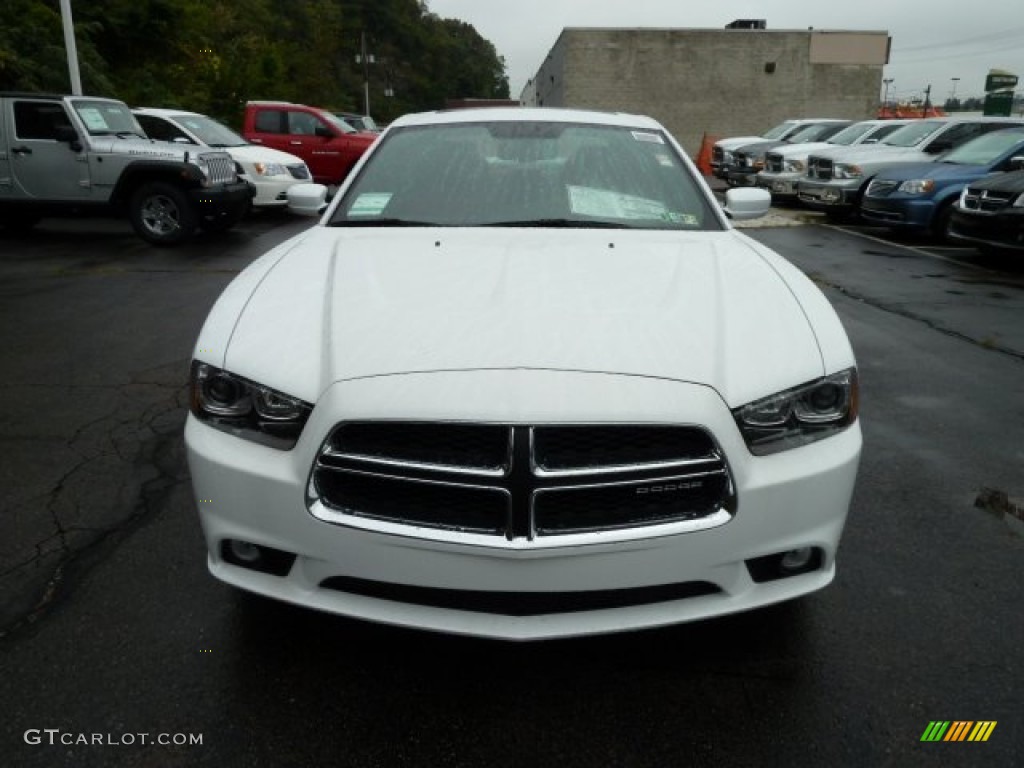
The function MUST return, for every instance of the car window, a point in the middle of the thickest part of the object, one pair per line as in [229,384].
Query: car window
[209,131]
[779,130]
[850,134]
[912,134]
[39,119]
[160,129]
[881,131]
[985,149]
[104,118]
[270,121]
[526,173]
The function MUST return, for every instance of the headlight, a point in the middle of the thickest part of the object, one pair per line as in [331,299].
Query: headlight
[917,186]
[801,415]
[270,169]
[793,166]
[246,409]
[844,171]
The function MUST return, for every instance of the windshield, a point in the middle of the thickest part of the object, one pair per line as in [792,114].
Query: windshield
[779,130]
[912,134]
[526,174]
[851,133]
[209,131]
[985,149]
[105,118]
[339,123]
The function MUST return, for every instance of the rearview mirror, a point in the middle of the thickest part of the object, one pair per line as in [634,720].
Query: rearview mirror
[1016,163]
[307,199]
[67,135]
[743,204]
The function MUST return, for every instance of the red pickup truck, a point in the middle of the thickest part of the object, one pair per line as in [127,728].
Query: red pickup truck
[329,145]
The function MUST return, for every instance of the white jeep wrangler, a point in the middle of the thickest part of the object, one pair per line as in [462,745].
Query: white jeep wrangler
[76,155]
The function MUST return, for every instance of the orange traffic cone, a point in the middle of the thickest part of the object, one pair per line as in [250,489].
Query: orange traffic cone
[704,156]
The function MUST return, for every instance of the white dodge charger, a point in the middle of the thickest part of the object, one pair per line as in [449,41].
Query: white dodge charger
[524,380]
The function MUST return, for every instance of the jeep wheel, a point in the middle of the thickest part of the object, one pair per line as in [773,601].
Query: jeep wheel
[161,214]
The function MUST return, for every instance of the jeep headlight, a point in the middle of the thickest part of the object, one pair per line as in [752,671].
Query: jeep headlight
[846,171]
[917,186]
[801,415]
[246,409]
[793,166]
[270,169]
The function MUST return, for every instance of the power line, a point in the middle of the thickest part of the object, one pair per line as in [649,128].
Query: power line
[1003,34]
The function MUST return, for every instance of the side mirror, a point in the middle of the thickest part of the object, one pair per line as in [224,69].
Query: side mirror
[323,131]
[307,199]
[1016,163]
[744,203]
[67,135]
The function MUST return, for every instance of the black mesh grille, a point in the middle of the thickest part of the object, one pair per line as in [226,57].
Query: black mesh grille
[585,509]
[398,500]
[480,446]
[986,200]
[773,162]
[559,448]
[819,168]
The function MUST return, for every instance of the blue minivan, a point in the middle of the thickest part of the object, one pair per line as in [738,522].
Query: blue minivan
[921,196]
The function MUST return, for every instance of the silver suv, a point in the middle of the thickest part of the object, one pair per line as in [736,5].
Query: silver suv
[80,154]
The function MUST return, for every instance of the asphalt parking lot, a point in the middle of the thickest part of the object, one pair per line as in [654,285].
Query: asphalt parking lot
[111,625]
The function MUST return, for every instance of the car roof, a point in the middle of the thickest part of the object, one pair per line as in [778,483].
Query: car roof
[526,114]
[161,112]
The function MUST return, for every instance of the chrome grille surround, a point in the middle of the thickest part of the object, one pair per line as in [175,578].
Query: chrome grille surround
[454,481]
[819,167]
[986,200]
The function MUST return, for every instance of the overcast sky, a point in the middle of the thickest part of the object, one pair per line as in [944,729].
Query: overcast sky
[933,41]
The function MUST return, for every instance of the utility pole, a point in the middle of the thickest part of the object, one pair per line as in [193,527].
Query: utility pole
[70,47]
[885,98]
[927,102]
[366,59]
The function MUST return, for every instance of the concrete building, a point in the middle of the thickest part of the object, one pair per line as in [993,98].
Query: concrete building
[722,82]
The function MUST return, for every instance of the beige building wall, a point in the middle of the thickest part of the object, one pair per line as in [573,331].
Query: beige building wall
[722,82]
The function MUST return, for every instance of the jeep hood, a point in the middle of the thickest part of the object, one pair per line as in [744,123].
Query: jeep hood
[349,303]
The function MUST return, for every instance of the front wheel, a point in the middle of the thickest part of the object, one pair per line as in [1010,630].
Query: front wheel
[940,224]
[162,214]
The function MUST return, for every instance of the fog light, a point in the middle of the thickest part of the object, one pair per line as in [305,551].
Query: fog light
[244,551]
[796,559]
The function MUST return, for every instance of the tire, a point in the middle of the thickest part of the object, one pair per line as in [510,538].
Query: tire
[162,214]
[940,222]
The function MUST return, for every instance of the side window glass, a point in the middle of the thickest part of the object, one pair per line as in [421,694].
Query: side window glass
[39,119]
[301,123]
[159,129]
[269,121]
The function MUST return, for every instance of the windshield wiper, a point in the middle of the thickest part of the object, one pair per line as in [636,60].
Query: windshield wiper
[558,223]
[384,222]
[129,135]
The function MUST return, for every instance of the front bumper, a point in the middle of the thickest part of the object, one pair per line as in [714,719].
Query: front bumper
[829,195]
[223,198]
[1002,229]
[440,580]
[272,192]
[783,186]
[898,213]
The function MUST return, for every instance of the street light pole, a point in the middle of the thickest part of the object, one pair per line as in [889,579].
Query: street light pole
[72,49]
[955,81]
[367,60]
[885,98]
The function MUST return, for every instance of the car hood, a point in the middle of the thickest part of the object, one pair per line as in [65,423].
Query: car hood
[1004,182]
[252,153]
[758,148]
[349,303]
[946,172]
[737,142]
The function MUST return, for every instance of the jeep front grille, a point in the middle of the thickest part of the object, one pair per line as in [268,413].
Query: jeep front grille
[519,481]
[221,167]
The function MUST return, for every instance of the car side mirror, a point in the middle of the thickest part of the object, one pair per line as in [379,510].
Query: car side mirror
[68,135]
[307,199]
[742,204]
[1016,163]
[323,131]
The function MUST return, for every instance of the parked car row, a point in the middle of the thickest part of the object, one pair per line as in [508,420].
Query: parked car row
[930,175]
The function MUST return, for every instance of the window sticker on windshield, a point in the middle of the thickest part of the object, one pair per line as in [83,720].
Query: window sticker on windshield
[665,160]
[654,138]
[93,119]
[605,203]
[370,204]
[686,219]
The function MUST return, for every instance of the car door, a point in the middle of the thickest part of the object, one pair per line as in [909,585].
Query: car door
[41,166]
